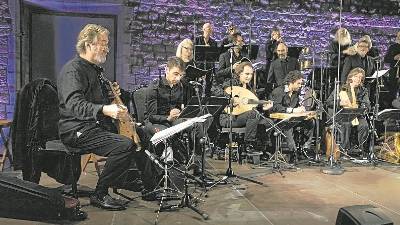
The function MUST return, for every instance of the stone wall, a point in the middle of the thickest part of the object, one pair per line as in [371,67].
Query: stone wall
[6,64]
[156,27]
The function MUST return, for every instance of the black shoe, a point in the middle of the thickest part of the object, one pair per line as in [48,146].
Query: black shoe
[149,195]
[106,202]
[135,185]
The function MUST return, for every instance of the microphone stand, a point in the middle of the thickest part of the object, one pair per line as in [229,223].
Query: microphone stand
[229,172]
[333,168]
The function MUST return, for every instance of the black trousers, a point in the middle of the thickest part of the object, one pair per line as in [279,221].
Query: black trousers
[362,130]
[250,120]
[307,125]
[119,150]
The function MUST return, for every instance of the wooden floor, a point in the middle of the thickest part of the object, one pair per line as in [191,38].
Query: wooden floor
[302,196]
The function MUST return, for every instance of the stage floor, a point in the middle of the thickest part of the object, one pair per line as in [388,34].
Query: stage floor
[302,196]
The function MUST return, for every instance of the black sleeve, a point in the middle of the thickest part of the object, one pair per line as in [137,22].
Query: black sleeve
[277,98]
[72,89]
[364,102]
[346,70]
[271,75]
[389,57]
[224,70]
[151,109]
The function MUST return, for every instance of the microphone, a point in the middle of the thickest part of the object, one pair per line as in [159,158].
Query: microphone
[153,158]
[195,83]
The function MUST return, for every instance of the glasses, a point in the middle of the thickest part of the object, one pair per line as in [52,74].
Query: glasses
[187,48]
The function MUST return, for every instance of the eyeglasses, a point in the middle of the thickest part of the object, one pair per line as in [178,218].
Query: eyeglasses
[187,48]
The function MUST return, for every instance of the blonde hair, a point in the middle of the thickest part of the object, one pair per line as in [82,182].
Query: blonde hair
[366,39]
[180,46]
[342,36]
[89,35]
[398,38]
[355,72]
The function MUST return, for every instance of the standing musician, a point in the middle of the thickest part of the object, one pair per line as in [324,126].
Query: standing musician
[230,31]
[392,57]
[224,70]
[353,95]
[360,59]
[83,103]
[165,99]
[249,119]
[286,100]
[271,45]
[206,39]
[342,39]
[281,66]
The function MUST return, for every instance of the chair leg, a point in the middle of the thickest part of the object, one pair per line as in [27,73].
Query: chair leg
[74,182]
[85,161]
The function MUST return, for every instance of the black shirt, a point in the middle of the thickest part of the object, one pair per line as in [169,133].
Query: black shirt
[161,99]
[392,51]
[200,41]
[282,100]
[80,95]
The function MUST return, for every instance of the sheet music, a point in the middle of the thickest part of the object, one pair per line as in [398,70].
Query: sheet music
[164,134]
[378,73]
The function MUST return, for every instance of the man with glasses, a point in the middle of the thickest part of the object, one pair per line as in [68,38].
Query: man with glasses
[361,60]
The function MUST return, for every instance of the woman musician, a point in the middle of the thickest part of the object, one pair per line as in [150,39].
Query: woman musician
[249,119]
[353,95]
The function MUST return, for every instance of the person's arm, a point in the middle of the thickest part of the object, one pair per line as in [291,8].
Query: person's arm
[277,98]
[364,100]
[271,74]
[389,57]
[151,109]
[72,87]
[346,69]
[224,70]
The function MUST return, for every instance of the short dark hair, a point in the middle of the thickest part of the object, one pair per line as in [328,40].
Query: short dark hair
[293,76]
[176,62]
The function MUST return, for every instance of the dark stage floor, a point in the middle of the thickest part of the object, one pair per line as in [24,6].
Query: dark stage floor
[303,196]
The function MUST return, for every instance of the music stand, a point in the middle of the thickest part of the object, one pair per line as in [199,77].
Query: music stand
[294,51]
[253,53]
[214,106]
[193,73]
[205,53]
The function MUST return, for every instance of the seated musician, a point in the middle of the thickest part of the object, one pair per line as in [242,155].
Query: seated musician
[250,119]
[353,95]
[85,110]
[165,99]
[286,100]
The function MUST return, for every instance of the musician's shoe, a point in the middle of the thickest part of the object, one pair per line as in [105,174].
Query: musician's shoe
[106,202]
[135,185]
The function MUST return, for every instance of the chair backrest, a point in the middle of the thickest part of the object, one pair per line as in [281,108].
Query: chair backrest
[139,99]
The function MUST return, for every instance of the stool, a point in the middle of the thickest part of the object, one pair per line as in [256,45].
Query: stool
[237,136]
[5,139]
[92,158]
[57,147]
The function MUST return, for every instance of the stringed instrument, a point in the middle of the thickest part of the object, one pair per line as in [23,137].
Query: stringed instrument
[282,116]
[126,125]
[245,99]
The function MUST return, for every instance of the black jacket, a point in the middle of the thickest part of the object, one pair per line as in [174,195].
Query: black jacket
[282,101]
[280,68]
[354,61]
[35,122]
[224,70]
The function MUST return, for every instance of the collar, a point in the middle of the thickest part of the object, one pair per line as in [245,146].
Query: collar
[98,69]
[165,83]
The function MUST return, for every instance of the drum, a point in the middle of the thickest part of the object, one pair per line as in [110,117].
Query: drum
[390,149]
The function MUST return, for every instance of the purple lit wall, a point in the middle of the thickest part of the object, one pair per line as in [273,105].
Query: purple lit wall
[156,28]
[7,74]
[150,30]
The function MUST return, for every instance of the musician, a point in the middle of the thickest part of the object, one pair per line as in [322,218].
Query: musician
[286,100]
[392,57]
[373,51]
[185,52]
[342,39]
[206,39]
[353,95]
[230,31]
[224,70]
[271,45]
[83,108]
[281,66]
[165,99]
[359,60]
[251,119]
